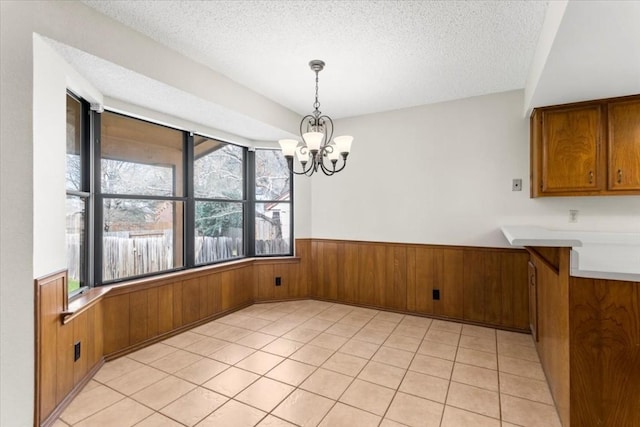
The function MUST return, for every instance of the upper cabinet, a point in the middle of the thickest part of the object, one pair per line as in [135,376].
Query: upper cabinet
[586,149]
[624,145]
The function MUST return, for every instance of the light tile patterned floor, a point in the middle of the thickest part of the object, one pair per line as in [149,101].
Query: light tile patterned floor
[310,363]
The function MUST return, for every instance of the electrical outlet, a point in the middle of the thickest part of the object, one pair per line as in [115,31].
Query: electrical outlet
[278,281]
[436,294]
[573,215]
[516,185]
[76,351]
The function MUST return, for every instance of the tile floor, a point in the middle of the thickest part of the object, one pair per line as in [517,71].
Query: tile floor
[310,363]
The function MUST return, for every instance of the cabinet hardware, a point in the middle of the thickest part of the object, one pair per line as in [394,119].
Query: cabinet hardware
[590,177]
[619,176]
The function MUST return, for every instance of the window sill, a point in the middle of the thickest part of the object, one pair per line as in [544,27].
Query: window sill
[84,301]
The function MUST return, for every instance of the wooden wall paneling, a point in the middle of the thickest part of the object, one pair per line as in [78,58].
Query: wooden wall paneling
[452,294]
[371,274]
[519,282]
[80,334]
[328,266]
[287,276]
[304,277]
[165,308]
[266,288]
[411,279]
[507,271]
[438,280]
[227,296]
[348,272]
[116,321]
[605,352]
[313,270]
[64,377]
[203,284]
[213,293]
[493,287]
[395,289]
[474,285]
[138,316]
[48,331]
[177,305]
[152,312]
[95,325]
[190,301]
[425,275]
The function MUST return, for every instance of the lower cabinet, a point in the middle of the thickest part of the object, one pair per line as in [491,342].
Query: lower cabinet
[588,341]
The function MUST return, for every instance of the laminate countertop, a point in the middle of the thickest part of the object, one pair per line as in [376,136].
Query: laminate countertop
[598,255]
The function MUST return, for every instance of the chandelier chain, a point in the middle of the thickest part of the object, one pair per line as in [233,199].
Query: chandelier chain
[316,105]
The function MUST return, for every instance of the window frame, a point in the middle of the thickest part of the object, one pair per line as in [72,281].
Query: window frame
[91,156]
[255,202]
[84,194]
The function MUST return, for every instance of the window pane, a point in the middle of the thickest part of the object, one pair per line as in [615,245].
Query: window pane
[218,231]
[74,135]
[75,237]
[217,171]
[272,176]
[141,237]
[140,158]
[273,226]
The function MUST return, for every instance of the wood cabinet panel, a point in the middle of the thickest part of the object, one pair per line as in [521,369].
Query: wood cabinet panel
[493,288]
[605,352]
[553,328]
[570,144]
[624,145]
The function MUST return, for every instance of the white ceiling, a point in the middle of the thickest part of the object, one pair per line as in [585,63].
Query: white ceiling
[380,55]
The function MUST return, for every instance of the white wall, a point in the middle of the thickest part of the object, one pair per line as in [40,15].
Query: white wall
[442,174]
[16,221]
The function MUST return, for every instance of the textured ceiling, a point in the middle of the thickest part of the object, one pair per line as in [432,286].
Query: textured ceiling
[120,83]
[380,55]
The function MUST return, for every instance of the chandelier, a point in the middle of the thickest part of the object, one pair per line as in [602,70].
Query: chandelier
[317,151]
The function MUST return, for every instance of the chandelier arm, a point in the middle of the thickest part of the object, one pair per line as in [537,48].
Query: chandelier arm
[326,170]
[292,170]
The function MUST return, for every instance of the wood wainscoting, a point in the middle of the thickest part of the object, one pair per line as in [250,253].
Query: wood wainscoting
[480,285]
[58,377]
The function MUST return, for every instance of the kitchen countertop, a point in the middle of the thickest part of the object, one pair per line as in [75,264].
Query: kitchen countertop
[599,255]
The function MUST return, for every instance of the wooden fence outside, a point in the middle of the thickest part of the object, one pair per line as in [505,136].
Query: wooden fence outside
[125,255]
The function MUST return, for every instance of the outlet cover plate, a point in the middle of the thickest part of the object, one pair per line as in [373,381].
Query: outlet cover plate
[516,185]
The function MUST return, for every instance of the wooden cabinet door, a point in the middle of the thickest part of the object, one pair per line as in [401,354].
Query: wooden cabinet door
[624,145]
[570,149]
